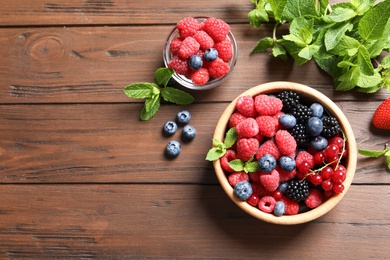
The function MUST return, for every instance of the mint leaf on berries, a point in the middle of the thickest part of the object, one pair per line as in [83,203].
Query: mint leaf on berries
[154,92]
[219,147]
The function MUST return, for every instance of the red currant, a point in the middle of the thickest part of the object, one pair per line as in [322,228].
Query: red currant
[278,195]
[319,158]
[338,188]
[341,168]
[331,152]
[344,153]
[337,140]
[338,176]
[328,193]
[315,179]
[327,172]
[304,167]
[327,185]
[253,200]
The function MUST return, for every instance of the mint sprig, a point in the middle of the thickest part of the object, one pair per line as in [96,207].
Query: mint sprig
[153,93]
[346,40]
[377,154]
[219,148]
[248,166]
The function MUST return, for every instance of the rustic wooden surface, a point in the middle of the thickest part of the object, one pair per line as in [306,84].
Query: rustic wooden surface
[82,178]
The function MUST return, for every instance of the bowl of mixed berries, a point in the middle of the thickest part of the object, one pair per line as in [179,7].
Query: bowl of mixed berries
[202,51]
[284,153]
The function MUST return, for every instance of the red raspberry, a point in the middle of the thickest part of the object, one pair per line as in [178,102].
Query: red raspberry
[236,177]
[218,68]
[267,125]
[267,105]
[246,106]
[179,65]
[285,176]
[216,28]
[200,77]
[304,162]
[235,119]
[230,155]
[224,49]
[188,27]
[292,207]
[255,176]
[246,148]
[247,128]
[267,204]
[174,46]
[268,147]
[285,142]
[259,189]
[270,180]
[204,40]
[188,47]
[314,199]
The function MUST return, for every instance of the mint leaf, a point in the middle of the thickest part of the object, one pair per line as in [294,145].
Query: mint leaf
[308,52]
[347,46]
[373,23]
[176,96]
[341,14]
[348,80]
[251,167]
[230,137]
[278,7]
[140,90]
[299,8]
[257,16]
[263,45]
[237,165]
[335,34]
[372,153]
[362,6]
[385,62]
[369,81]
[294,50]
[162,76]
[278,51]
[150,108]
[214,154]
[301,31]
[364,61]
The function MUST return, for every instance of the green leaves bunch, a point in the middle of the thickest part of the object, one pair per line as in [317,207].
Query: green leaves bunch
[153,93]
[219,148]
[350,40]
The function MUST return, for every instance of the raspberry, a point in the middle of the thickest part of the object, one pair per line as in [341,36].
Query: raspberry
[226,158]
[237,177]
[267,125]
[235,119]
[224,49]
[314,199]
[267,204]
[304,162]
[268,147]
[204,40]
[188,47]
[200,77]
[218,68]
[270,180]
[246,148]
[216,28]
[292,207]
[255,176]
[246,106]
[285,142]
[247,128]
[174,46]
[267,106]
[284,175]
[179,65]
[259,189]
[188,27]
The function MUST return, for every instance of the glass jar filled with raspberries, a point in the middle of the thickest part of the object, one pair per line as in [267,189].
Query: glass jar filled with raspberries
[202,51]
[284,153]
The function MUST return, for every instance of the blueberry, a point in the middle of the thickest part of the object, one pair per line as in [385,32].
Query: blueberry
[283,186]
[188,133]
[287,163]
[287,121]
[195,62]
[317,110]
[183,117]
[210,54]
[280,208]
[319,143]
[243,190]
[173,148]
[315,126]
[169,128]
[267,163]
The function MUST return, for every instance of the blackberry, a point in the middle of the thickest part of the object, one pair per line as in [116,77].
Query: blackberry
[301,136]
[297,190]
[331,127]
[289,99]
[301,112]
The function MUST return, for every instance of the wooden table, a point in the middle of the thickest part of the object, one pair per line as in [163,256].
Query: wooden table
[82,178]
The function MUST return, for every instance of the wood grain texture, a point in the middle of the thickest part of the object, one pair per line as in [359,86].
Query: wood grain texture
[179,221]
[107,143]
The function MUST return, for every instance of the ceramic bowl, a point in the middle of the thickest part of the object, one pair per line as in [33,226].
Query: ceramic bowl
[312,95]
[186,82]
